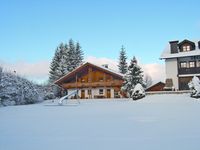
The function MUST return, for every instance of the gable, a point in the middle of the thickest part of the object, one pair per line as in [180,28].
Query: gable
[185,45]
[156,87]
[87,72]
[94,75]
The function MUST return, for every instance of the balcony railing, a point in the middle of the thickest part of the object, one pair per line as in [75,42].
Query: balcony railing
[195,70]
[93,84]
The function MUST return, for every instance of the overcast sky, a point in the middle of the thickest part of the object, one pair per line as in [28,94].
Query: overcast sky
[30,30]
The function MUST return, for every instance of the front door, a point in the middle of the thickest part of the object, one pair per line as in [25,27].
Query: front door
[108,93]
[82,94]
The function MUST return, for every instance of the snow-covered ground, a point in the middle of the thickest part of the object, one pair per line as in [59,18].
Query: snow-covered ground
[157,122]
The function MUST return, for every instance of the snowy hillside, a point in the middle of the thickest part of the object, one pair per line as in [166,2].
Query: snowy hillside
[157,122]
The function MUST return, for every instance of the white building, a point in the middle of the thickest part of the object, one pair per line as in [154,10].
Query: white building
[182,62]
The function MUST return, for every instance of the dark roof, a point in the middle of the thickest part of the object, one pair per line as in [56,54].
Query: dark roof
[186,41]
[199,44]
[174,41]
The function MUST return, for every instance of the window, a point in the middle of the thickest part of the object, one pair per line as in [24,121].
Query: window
[116,94]
[186,48]
[198,63]
[183,65]
[100,91]
[191,64]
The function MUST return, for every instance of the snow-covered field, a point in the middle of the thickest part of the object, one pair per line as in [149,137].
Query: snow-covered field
[157,122]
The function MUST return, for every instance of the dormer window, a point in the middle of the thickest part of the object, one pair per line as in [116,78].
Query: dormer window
[186,48]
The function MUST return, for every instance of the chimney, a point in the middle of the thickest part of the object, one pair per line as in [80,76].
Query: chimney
[105,65]
[199,44]
[174,46]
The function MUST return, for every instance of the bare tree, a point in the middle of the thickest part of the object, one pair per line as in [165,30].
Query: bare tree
[148,80]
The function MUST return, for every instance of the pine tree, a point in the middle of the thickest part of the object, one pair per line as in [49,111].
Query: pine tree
[122,61]
[54,66]
[64,58]
[79,54]
[133,76]
[72,60]
[67,57]
[1,72]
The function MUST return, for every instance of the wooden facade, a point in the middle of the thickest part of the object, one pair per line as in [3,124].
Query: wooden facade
[156,87]
[91,79]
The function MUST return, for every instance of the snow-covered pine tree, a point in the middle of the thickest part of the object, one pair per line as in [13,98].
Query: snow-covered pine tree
[79,54]
[54,66]
[72,53]
[133,76]
[1,71]
[0,85]
[59,66]
[64,59]
[67,57]
[123,67]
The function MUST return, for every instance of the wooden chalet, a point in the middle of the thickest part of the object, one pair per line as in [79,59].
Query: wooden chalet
[92,81]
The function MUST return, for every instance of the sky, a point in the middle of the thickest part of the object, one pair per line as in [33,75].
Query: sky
[31,30]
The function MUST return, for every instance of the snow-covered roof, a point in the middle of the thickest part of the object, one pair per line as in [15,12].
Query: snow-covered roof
[88,63]
[110,70]
[167,52]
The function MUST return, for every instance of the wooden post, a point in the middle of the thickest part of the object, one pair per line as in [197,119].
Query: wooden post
[90,81]
[76,87]
[104,80]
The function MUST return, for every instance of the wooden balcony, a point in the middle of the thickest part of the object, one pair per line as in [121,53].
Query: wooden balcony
[195,70]
[113,83]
